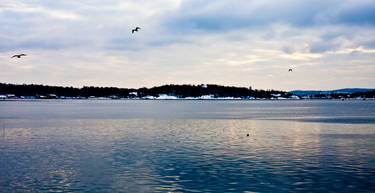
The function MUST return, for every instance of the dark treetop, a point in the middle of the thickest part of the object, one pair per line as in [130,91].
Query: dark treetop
[180,91]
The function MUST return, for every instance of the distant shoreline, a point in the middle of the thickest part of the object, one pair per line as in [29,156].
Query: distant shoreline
[173,92]
[182,99]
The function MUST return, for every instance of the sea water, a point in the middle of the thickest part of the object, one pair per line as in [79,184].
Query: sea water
[187,146]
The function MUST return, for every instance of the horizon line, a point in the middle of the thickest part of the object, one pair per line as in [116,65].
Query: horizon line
[189,85]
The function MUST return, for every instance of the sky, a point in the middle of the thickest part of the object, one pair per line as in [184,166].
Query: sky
[329,44]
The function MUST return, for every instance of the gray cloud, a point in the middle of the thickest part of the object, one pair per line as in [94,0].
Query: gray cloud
[230,42]
[231,15]
[321,47]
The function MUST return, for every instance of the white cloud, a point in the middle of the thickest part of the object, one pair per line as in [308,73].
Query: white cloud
[19,7]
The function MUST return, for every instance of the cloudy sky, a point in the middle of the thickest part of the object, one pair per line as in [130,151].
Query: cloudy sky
[329,44]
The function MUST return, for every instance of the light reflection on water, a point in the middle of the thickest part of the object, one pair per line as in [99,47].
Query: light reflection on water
[176,155]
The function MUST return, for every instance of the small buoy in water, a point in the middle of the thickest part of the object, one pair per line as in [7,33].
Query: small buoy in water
[247,135]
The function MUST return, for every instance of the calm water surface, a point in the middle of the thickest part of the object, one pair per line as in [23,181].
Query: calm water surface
[187,146]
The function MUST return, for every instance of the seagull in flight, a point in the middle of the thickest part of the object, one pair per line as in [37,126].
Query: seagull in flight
[290,70]
[18,55]
[135,29]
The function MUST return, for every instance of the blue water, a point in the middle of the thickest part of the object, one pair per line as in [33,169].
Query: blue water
[187,146]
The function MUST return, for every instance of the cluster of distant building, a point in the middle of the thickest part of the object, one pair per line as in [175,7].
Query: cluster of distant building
[212,97]
[13,96]
[175,92]
[134,95]
[166,97]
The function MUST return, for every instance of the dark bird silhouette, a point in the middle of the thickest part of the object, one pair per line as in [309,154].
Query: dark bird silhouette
[247,135]
[290,70]
[18,55]
[135,29]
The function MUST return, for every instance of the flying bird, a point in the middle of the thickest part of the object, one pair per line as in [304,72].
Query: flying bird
[18,55]
[135,29]
[290,70]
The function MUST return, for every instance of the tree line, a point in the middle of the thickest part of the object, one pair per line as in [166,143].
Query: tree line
[180,91]
[369,94]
